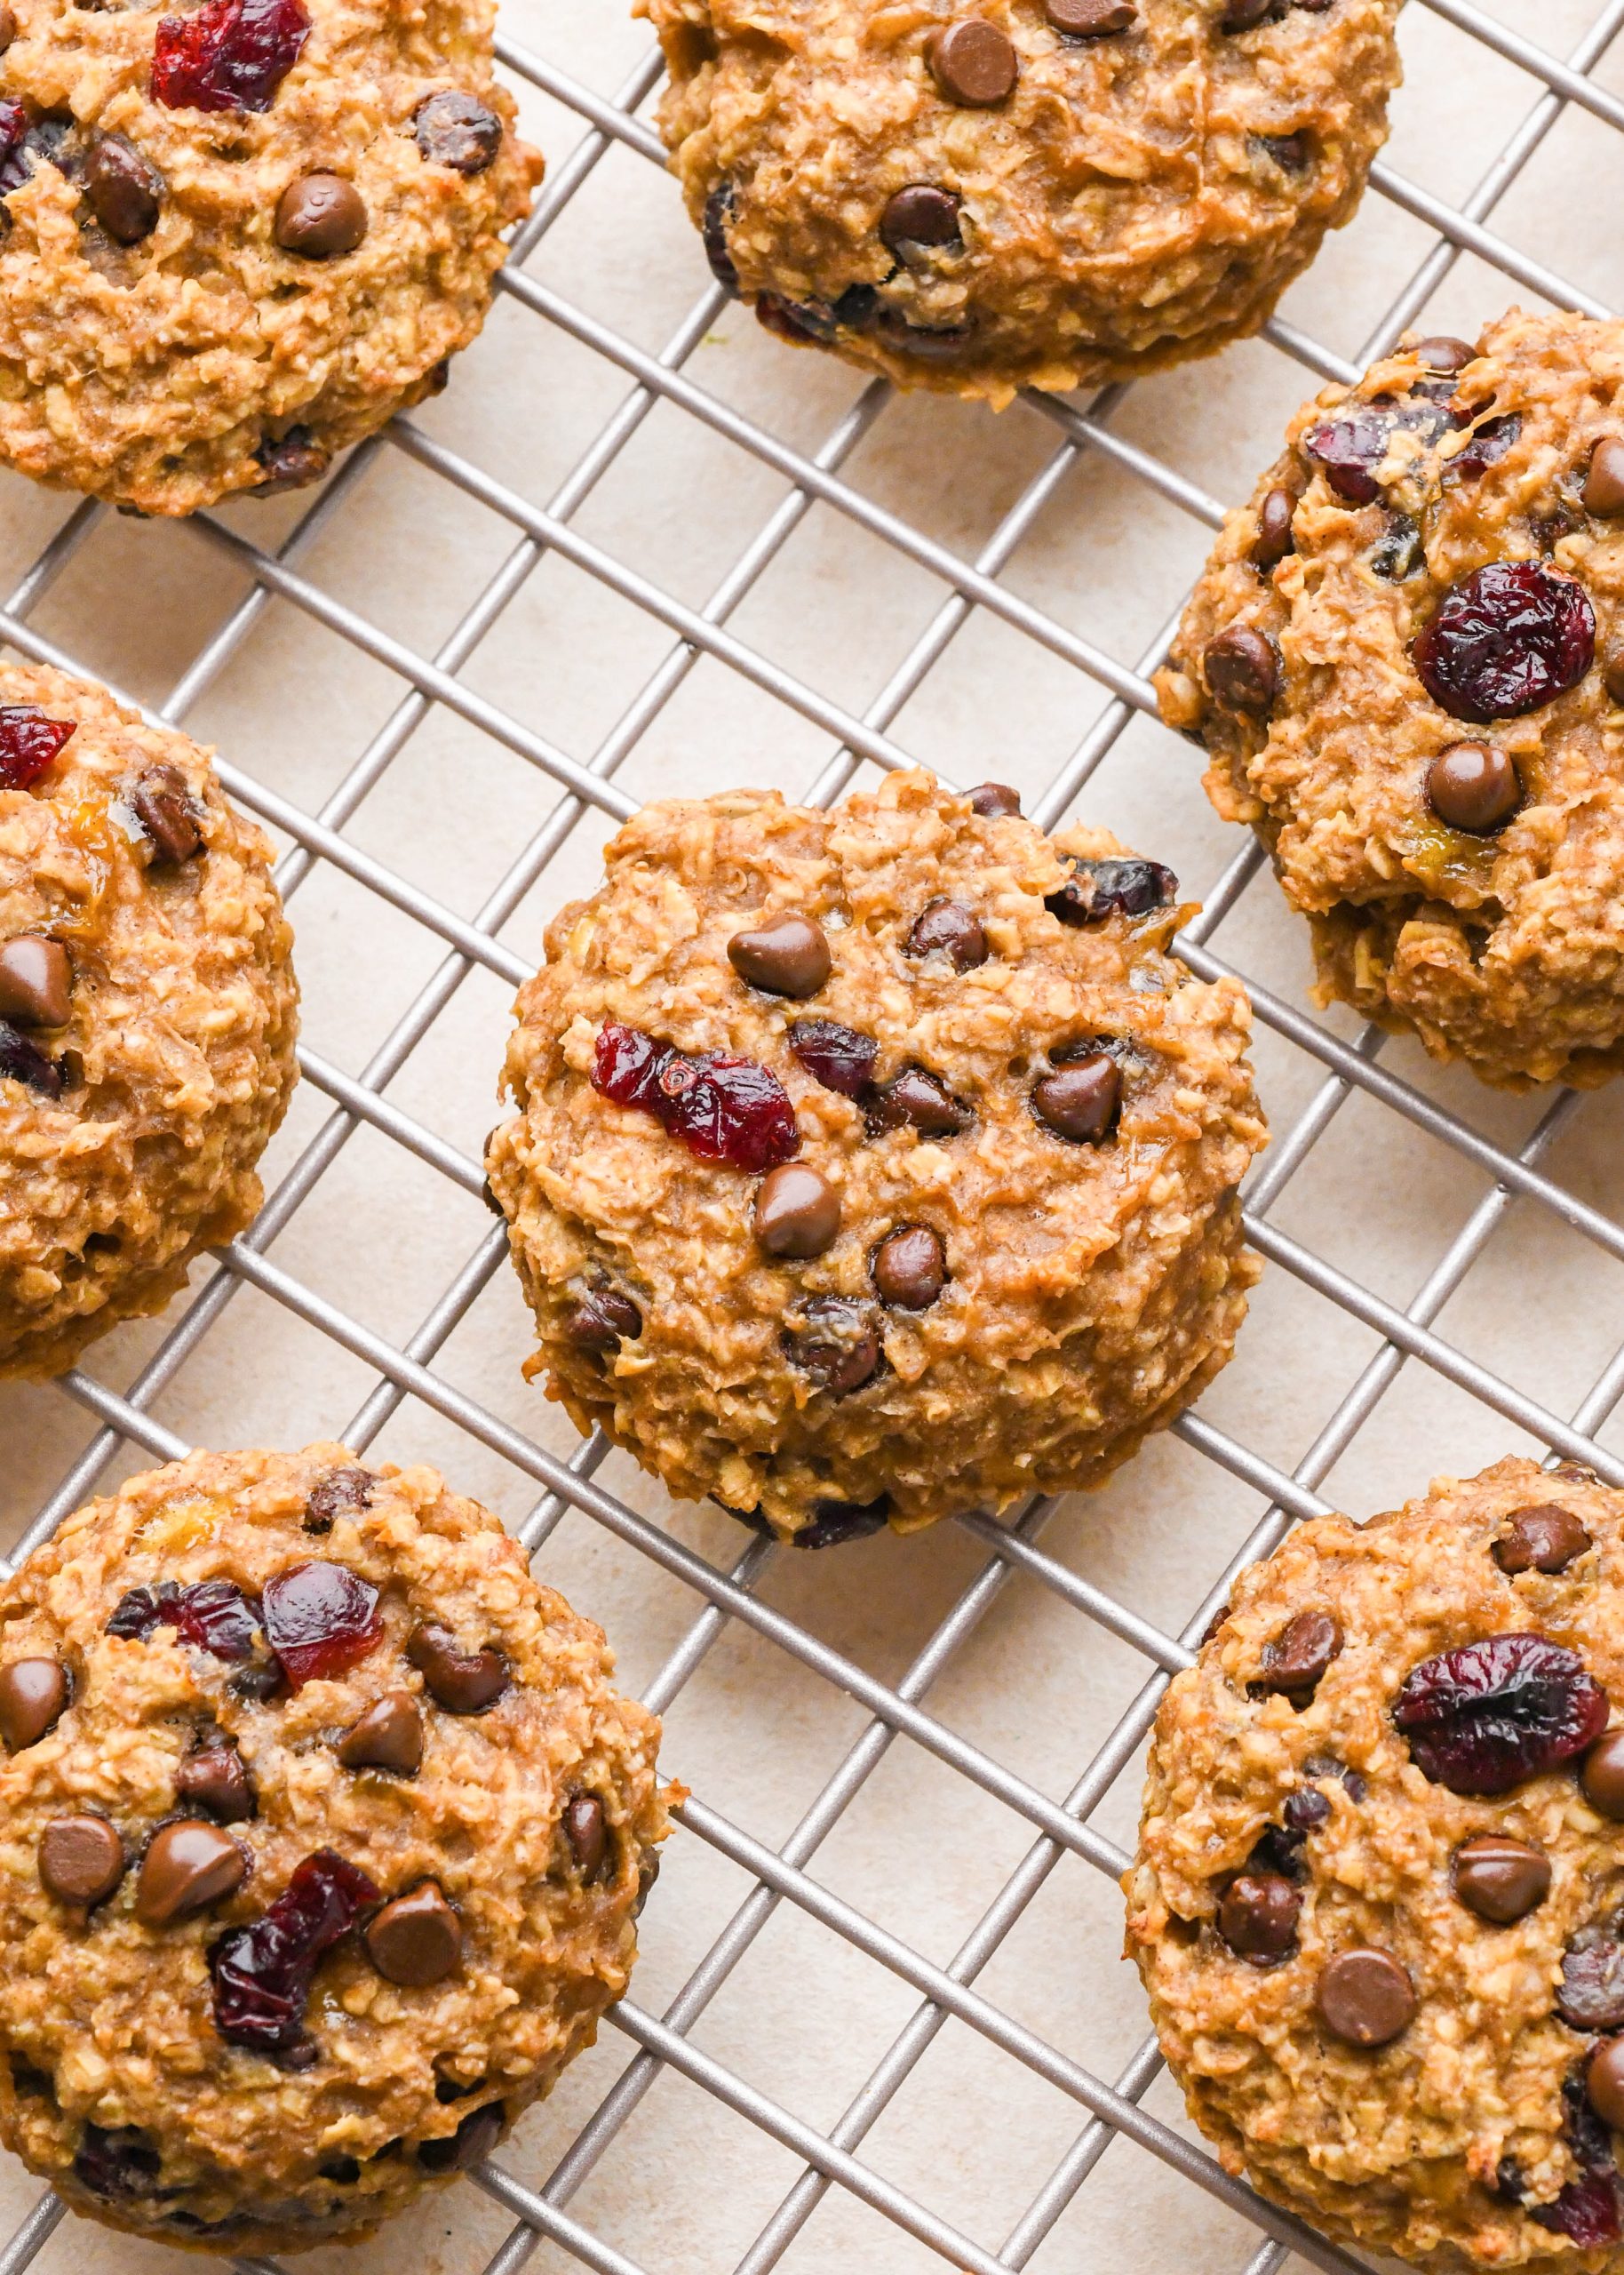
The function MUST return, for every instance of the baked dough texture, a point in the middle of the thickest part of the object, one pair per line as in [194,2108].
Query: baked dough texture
[1450,2145]
[109,2022]
[1091,1289]
[1138,198]
[1506,949]
[179,1050]
[165,373]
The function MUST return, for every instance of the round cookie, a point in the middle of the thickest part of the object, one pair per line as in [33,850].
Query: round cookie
[292,1932]
[236,240]
[1406,660]
[1021,194]
[875,1163]
[1377,1904]
[147,1015]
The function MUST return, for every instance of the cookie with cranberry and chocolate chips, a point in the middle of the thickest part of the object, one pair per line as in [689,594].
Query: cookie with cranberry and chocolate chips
[326,1835]
[147,1015]
[1406,663]
[875,1163]
[236,238]
[978,199]
[1377,1902]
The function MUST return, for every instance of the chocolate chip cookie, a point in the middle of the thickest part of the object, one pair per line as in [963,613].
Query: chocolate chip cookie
[325,1835]
[877,1164]
[983,195]
[1406,663]
[234,240]
[1377,1904]
[148,1014]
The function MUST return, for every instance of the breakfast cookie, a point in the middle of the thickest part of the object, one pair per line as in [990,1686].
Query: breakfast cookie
[1023,192]
[147,1012]
[875,1163]
[1406,663]
[1378,1902]
[325,1834]
[236,239]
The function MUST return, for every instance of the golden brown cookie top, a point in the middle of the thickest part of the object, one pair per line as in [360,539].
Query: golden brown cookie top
[326,1832]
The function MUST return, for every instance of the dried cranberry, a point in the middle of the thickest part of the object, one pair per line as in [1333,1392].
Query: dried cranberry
[723,1108]
[1352,448]
[1483,1718]
[120,2162]
[1586,2211]
[23,1061]
[839,1057]
[228,55]
[1591,1996]
[1506,640]
[28,742]
[835,1521]
[800,322]
[713,230]
[215,1616]
[1096,890]
[320,1619]
[13,131]
[1491,443]
[262,1973]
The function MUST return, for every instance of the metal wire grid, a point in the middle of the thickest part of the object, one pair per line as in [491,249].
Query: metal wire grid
[829,2158]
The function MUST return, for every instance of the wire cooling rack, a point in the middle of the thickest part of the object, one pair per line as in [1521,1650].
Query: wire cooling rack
[1505,1183]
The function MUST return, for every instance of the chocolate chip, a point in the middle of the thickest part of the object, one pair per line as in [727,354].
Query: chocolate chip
[837,1346]
[1364,1998]
[1501,1880]
[1243,669]
[454,130]
[949,928]
[1096,890]
[321,216]
[160,799]
[341,1493]
[713,229]
[910,1268]
[8,26]
[1290,152]
[37,2084]
[417,1940]
[1443,353]
[797,1211]
[648,1872]
[1399,551]
[1545,1538]
[973,62]
[1612,674]
[1591,1996]
[35,981]
[473,2141]
[919,1101]
[604,1317]
[213,1778]
[33,1693]
[921,214]
[464,1682]
[1602,1777]
[1604,2082]
[389,1735]
[1258,1917]
[992,798]
[126,193]
[1274,539]
[586,1834]
[790,956]
[342,2171]
[835,1521]
[1473,786]
[1244,15]
[293,462]
[1297,1657]
[1079,1101]
[1603,490]
[189,1865]
[1089,19]
[21,1062]
[81,1859]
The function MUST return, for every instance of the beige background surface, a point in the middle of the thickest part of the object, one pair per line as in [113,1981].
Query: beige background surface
[688,2185]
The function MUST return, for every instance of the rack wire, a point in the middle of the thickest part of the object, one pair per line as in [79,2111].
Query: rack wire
[1508,1173]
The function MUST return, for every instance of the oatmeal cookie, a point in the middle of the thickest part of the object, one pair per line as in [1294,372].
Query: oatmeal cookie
[236,240]
[875,1163]
[1024,193]
[1406,662]
[1379,1903]
[148,1014]
[324,1838]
